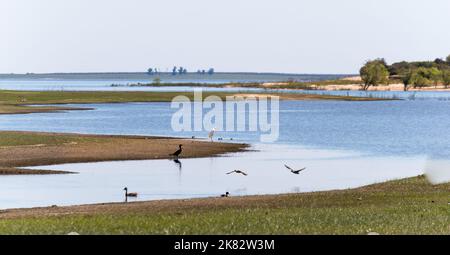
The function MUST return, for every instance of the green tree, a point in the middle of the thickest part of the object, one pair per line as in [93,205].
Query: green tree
[373,73]
[399,68]
[446,78]
[435,75]
[421,77]
[406,79]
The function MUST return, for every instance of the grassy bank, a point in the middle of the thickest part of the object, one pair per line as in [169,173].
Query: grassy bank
[22,149]
[16,101]
[410,206]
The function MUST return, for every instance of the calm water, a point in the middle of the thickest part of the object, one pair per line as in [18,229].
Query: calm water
[164,179]
[389,128]
[103,82]
[343,144]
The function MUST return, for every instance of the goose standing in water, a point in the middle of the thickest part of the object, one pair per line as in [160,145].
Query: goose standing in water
[178,152]
[131,194]
[295,171]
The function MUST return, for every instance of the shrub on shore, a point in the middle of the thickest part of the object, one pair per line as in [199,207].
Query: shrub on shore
[421,73]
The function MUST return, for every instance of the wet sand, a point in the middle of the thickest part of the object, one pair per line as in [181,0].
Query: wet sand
[77,148]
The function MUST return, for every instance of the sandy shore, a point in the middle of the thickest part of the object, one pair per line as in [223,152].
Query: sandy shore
[354,83]
[56,148]
[391,87]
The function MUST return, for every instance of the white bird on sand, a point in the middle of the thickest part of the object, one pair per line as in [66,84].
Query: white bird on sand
[295,171]
[211,134]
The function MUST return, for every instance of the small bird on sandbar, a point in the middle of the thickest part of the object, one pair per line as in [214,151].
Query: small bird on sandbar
[225,195]
[238,172]
[211,134]
[295,171]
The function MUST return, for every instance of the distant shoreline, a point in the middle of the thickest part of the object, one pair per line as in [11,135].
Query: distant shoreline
[18,102]
[168,73]
[345,84]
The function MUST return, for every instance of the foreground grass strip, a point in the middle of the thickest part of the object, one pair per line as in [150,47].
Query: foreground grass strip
[409,206]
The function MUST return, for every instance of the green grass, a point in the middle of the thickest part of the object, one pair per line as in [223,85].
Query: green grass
[11,101]
[283,84]
[23,139]
[57,97]
[408,206]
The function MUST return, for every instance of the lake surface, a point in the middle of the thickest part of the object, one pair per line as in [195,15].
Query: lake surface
[343,145]
[206,177]
[103,81]
[389,128]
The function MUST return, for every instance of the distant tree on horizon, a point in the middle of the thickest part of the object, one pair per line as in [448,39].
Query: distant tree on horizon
[182,70]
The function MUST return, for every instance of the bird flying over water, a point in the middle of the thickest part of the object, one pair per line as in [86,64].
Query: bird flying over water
[238,172]
[295,171]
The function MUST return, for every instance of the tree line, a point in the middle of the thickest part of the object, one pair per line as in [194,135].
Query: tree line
[416,74]
[180,71]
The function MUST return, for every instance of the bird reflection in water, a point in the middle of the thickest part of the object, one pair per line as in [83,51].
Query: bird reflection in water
[178,163]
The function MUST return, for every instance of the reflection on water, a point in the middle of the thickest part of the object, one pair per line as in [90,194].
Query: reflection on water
[206,177]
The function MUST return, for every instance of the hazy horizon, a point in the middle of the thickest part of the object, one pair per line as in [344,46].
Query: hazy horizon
[170,73]
[285,36]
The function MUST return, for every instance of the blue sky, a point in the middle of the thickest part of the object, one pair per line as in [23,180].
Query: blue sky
[302,36]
